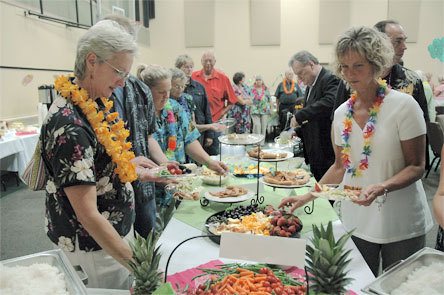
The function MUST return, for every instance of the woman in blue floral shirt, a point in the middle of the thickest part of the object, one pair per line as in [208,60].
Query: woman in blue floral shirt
[176,134]
[89,197]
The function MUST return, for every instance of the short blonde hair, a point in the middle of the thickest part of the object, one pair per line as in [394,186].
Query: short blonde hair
[374,46]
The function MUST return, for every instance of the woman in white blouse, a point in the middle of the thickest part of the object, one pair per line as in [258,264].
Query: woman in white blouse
[378,137]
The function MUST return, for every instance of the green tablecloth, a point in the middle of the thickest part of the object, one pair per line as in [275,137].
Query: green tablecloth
[193,214]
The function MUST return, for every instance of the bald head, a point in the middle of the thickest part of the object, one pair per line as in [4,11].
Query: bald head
[208,61]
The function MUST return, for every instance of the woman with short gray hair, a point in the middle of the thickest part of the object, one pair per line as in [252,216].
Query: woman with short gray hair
[178,82]
[175,133]
[378,137]
[89,196]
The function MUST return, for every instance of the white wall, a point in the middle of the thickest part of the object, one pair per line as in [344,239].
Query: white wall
[29,42]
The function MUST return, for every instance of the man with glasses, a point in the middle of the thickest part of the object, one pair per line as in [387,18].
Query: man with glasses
[313,120]
[397,76]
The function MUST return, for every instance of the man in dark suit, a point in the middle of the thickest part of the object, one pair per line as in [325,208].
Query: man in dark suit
[314,120]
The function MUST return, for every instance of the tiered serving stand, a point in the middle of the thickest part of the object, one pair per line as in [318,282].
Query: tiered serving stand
[255,140]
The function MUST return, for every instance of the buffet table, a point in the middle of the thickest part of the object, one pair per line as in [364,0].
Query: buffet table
[189,219]
[15,153]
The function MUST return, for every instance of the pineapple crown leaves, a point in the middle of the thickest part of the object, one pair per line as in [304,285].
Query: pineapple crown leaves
[145,263]
[327,260]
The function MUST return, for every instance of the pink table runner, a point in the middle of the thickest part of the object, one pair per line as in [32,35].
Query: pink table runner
[185,277]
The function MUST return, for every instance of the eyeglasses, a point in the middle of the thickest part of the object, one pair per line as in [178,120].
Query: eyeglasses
[119,73]
[179,87]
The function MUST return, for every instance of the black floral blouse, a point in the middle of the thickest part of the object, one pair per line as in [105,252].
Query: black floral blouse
[73,156]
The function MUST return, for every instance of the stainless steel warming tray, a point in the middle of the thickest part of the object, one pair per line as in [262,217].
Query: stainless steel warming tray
[54,258]
[395,276]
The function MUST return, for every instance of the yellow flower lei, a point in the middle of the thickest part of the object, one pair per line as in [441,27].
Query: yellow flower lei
[111,135]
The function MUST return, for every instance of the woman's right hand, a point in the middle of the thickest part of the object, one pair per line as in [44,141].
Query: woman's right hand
[296,201]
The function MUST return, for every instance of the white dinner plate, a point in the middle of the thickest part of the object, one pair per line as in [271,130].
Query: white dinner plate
[274,151]
[335,194]
[156,171]
[242,139]
[308,184]
[240,198]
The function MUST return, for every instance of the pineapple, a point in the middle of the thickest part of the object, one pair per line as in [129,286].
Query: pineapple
[145,264]
[327,261]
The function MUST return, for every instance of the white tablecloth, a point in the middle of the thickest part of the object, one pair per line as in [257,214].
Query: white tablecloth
[15,153]
[199,251]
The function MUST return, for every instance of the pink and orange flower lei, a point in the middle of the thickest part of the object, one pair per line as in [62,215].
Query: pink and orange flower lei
[109,129]
[369,131]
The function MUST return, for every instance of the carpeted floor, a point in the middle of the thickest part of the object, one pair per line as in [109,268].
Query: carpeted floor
[22,219]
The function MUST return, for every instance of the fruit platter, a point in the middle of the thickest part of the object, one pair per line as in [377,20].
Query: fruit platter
[254,219]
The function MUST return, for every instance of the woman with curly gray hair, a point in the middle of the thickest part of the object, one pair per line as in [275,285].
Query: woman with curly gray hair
[378,137]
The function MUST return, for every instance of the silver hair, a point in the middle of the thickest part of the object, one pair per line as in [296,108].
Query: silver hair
[178,74]
[441,78]
[181,60]
[125,22]
[303,57]
[104,39]
[371,44]
[152,74]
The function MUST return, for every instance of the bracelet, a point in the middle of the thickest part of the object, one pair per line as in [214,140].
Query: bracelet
[385,190]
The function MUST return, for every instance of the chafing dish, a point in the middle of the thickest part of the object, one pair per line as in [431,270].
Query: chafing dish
[398,274]
[54,258]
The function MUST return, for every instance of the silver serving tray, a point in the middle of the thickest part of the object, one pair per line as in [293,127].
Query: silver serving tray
[54,258]
[398,274]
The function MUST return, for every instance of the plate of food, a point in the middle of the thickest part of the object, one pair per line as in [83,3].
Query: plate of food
[254,219]
[229,194]
[269,155]
[186,188]
[336,192]
[173,171]
[287,179]
[250,171]
[212,178]
[241,139]
[285,140]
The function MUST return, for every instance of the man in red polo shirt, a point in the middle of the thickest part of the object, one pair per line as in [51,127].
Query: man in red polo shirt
[219,91]
[217,85]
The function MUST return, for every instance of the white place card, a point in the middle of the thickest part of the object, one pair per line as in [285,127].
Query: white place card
[263,249]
